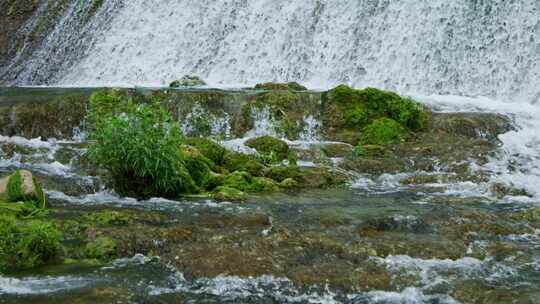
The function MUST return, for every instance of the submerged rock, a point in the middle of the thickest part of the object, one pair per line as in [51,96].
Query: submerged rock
[188,81]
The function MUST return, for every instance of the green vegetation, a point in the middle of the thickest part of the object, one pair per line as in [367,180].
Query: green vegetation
[383,131]
[102,248]
[25,245]
[271,150]
[274,86]
[350,112]
[139,144]
[24,196]
[208,148]
[108,218]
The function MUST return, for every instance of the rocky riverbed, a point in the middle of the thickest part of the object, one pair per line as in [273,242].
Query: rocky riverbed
[418,219]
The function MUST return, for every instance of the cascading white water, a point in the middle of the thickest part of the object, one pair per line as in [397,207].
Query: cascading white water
[459,47]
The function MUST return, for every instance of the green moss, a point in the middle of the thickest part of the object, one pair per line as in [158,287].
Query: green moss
[281,173]
[271,149]
[239,180]
[293,86]
[242,162]
[208,148]
[383,131]
[289,184]
[108,218]
[197,164]
[214,180]
[346,108]
[25,245]
[102,248]
[225,193]
[369,151]
[263,184]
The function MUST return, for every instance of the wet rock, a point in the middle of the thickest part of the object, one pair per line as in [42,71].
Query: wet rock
[293,86]
[409,223]
[501,190]
[188,81]
[474,125]
[336,149]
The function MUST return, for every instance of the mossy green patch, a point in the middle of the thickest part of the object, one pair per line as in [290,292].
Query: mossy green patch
[25,245]
[348,109]
[383,131]
[102,248]
[271,149]
[208,148]
[225,193]
[108,218]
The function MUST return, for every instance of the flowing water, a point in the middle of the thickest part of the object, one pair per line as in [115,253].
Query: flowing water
[455,56]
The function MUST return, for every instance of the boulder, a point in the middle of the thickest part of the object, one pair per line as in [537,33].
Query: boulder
[188,81]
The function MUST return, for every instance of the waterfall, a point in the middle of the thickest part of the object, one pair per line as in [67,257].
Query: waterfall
[481,48]
[463,47]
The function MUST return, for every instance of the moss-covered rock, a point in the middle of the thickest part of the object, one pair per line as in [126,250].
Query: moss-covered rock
[350,110]
[234,161]
[197,164]
[383,131]
[25,245]
[280,173]
[210,149]
[225,193]
[263,184]
[240,180]
[289,184]
[188,81]
[336,149]
[102,248]
[271,149]
[275,86]
[486,126]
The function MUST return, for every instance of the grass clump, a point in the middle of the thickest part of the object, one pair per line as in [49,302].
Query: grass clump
[139,145]
[27,245]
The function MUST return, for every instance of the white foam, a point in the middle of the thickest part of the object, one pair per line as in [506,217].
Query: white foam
[40,285]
